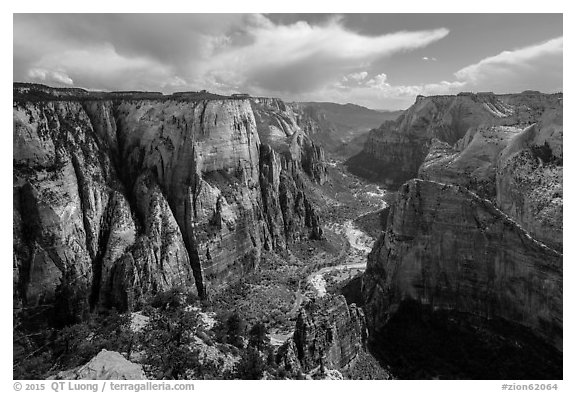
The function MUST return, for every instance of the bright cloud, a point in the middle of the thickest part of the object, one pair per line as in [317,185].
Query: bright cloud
[534,67]
[50,76]
[356,76]
[301,57]
[538,66]
[322,59]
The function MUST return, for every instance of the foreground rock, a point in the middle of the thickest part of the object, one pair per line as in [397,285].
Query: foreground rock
[447,248]
[106,365]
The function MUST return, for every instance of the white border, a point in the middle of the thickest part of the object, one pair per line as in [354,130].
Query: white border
[349,6]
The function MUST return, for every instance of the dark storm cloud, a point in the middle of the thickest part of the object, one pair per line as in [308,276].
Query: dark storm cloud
[172,38]
[167,44]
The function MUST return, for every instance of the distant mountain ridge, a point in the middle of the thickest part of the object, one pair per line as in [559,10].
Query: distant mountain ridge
[395,150]
[342,128]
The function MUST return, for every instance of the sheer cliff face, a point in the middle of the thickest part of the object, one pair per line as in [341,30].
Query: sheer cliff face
[447,248]
[279,127]
[113,200]
[481,233]
[519,169]
[206,159]
[287,153]
[394,152]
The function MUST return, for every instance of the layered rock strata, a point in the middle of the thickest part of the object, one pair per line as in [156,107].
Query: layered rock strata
[118,197]
[394,152]
[448,248]
[519,169]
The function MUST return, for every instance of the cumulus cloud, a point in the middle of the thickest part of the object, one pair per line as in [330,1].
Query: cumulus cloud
[536,67]
[48,76]
[356,76]
[219,52]
[301,57]
[324,60]
[378,92]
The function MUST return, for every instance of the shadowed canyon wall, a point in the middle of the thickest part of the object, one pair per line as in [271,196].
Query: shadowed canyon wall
[480,233]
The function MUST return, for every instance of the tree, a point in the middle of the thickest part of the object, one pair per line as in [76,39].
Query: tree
[168,341]
[235,327]
[257,337]
[251,365]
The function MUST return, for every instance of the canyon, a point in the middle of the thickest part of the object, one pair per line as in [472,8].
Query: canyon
[448,220]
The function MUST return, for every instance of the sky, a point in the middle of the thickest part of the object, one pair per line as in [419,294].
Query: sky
[381,61]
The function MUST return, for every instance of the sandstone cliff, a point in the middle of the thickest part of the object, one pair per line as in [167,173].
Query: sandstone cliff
[519,169]
[447,248]
[118,197]
[279,126]
[394,152]
[329,335]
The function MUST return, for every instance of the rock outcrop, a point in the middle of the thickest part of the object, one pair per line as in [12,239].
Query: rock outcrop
[394,152]
[104,366]
[329,334]
[116,196]
[448,248]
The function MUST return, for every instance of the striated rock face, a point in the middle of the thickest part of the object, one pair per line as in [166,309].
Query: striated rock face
[447,248]
[519,169]
[205,157]
[329,333]
[471,162]
[114,199]
[104,366]
[394,152]
[529,180]
[286,154]
[279,127]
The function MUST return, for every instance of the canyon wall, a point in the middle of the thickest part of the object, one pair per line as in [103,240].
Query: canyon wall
[519,169]
[116,197]
[393,152]
[448,248]
[480,231]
